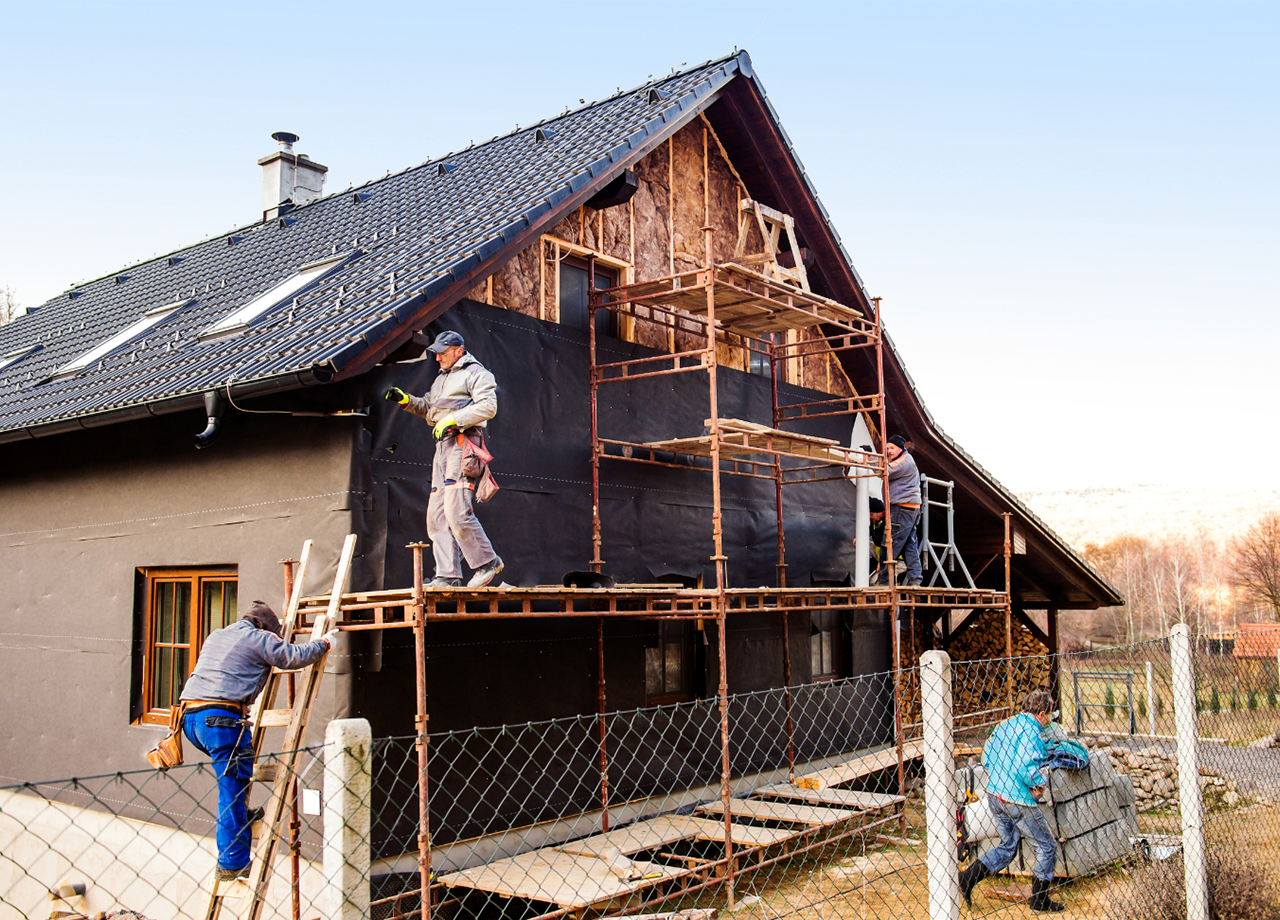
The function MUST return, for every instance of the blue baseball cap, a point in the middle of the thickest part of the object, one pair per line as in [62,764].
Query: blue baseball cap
[445,340]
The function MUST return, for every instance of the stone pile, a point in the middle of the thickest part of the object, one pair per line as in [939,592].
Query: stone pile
[1154,773]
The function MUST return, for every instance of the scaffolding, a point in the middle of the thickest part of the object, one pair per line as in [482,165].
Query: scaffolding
[759,313]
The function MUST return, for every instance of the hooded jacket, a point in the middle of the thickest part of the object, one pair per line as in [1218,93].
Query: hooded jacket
[467,391]
[1012,757]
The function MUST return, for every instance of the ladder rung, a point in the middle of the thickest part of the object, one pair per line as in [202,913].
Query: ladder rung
[275,718]
[265,772]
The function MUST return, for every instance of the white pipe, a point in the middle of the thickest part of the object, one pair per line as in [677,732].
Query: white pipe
[940,786]
[1192,805]
[862,531]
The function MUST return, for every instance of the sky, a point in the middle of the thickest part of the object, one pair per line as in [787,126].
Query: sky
[1071,210]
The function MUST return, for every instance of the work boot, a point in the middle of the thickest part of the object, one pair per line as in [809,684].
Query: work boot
[913,582]
[438,583]
[254,815]
[1040,902]
[486,573]
[230,875]
[969,879]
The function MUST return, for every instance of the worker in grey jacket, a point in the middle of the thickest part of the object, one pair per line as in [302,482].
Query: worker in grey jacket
[904,507]
[232,669]
[462,399]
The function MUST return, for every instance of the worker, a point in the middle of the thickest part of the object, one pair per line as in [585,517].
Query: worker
[463,397]
[904,509]
[1015,785]
[231,671]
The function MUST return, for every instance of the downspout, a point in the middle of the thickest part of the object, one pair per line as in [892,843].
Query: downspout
[214,407]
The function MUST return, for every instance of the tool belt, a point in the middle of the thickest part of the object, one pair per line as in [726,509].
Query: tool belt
[197,705]
[475,465]
[168,753]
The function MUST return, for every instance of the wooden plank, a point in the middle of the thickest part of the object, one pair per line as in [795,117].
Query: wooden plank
[275,718]
[644,835]
[556,877]
[846,798]
[743,834]
[764,810]
[859,766]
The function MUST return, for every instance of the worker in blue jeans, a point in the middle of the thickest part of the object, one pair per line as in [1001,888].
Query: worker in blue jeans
[1012,756]
[232,669]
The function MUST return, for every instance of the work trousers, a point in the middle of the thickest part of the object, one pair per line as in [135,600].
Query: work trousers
[452,525]
[1015,821]
[221,734]
[906,543]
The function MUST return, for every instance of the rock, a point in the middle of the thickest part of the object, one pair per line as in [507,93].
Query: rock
[1105,741]
[1231,799]
[1090,743]
[1164,788]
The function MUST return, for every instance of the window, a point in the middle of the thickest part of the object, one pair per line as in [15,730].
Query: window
[668,667]
[124,336]
[824,645]
[238,320]
[758,361]
[14,357]
[574,309]
[181,607]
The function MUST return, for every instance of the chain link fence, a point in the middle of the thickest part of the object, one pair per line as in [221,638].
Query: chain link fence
[863,797]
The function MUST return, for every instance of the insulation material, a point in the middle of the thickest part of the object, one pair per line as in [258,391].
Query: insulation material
[515,284]
[688,214]
[616,232]
[723,194]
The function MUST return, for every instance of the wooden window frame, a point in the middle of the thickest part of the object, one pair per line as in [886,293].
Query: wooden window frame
[196,578]
[555,250]
[686,668]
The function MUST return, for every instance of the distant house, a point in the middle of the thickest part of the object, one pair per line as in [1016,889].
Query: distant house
[1256,653]
[124,545]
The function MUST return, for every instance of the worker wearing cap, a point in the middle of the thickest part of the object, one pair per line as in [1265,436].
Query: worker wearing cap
[1013,755]
[904,507]
[234,664]
[463,397]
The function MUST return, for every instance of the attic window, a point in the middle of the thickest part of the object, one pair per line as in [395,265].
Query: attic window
[445,168]
[124,336]
[14,357]
[239,320]
[657,95]
[542,135]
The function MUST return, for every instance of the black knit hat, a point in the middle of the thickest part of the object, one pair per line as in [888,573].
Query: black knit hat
[899,440]
[263,617]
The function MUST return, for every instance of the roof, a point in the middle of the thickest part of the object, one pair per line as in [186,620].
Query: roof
[414,237]
[1257,640]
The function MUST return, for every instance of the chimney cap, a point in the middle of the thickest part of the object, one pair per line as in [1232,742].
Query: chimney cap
[286,138]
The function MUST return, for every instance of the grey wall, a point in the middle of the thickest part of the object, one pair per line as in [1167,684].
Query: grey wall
[80,512]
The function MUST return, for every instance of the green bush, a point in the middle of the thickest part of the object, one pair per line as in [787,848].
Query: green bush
[1142,705]
[1215,701]
[1160,704]
[1271,696]
[1235,700]
[1253,700]
[1109,703]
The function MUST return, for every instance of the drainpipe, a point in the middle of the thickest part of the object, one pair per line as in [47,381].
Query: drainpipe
[214,407]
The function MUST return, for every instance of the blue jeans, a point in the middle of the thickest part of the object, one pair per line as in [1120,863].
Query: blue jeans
[1014,821]
[230,746]
[906,543]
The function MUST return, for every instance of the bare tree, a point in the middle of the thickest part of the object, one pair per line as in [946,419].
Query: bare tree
[8,305]
[1257,561]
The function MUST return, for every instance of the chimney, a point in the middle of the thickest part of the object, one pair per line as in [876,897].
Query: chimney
[288,178]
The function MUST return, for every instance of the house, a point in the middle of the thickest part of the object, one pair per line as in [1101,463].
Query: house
[124,544]
[1256,654]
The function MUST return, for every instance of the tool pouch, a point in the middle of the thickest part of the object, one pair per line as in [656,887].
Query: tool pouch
[168,753]
[486,486]
[475,459]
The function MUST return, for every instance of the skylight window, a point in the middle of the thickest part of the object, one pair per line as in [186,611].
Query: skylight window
[15,356]
[238,320]
[123,337]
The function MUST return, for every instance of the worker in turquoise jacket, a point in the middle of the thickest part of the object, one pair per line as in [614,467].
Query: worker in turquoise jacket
[1015,785]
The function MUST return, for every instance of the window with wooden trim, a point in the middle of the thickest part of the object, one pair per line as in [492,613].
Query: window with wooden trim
[574,308]
[668,665]
[825,650]
[180,608]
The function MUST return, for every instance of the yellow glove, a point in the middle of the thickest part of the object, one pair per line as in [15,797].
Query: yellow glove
[398,396]
[443,425]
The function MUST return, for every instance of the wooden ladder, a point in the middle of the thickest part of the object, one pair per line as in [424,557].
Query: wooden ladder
[263,716]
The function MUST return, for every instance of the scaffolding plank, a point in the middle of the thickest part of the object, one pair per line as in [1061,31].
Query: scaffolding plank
[634,838]
[764,810]
[860,766]
[743,834]
[551,875]
[845,798]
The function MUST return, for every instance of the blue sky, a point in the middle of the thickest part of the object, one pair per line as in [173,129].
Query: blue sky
[1070,209]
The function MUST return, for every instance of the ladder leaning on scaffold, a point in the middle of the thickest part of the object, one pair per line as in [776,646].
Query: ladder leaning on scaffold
[294,721]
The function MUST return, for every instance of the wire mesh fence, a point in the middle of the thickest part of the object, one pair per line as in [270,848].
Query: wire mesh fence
[831,799]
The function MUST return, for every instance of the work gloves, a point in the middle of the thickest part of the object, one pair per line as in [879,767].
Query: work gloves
[330,637]
[443,426]
[397,395]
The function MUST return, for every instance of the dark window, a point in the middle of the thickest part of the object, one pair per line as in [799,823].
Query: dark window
[758,361]
[668,665]
[574,310]
[181,608]
[825,658]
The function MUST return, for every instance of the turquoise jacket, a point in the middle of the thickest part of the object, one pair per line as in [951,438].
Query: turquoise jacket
[1012,757]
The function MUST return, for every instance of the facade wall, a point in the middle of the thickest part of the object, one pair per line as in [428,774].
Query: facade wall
[82,512]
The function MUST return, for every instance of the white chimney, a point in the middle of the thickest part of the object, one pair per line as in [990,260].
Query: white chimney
[288,177]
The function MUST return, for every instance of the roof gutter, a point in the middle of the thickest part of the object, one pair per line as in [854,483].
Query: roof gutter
[315,375]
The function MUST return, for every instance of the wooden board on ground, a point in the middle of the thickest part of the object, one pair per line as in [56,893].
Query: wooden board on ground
[644,835]
[844,798]
[560,878]
[860,766]
[743,834]
[763,810]
[1010,892]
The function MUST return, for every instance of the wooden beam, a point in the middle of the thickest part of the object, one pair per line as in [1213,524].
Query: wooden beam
[1021,617]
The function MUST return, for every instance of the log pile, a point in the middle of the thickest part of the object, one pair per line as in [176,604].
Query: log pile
[980,667]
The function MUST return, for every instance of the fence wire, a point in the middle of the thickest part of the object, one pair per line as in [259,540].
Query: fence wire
[816,807]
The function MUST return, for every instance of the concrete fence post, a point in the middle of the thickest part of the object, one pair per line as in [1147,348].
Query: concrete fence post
[1192,805]
[1151,700]
[940,786]
[348,784]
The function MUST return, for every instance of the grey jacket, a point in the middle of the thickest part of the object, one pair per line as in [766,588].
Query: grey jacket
[467,391]
[236,660]
[904,481]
